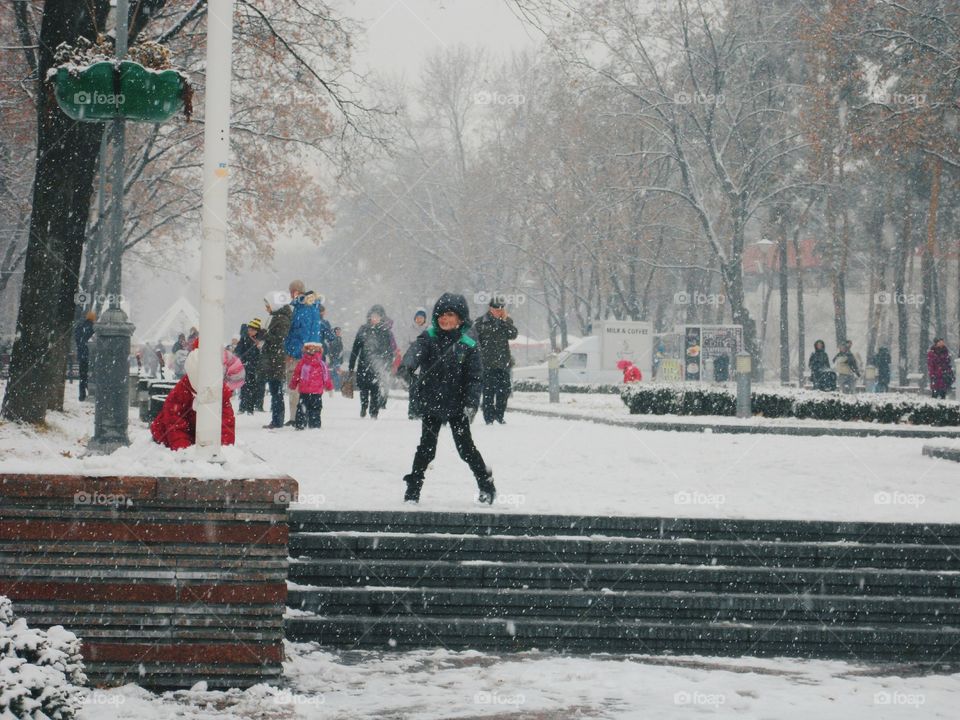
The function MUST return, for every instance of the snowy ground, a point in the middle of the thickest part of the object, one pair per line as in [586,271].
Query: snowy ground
[437,685]
[546,465]
[549,465]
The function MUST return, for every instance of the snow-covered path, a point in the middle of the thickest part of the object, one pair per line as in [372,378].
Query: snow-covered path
[544,465]
[441,685]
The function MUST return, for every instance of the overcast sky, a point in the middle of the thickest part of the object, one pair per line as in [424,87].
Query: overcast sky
[401,33]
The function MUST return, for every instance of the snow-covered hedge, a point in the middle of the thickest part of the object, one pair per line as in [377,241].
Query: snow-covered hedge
[681,399]
[40,671]
[537,386]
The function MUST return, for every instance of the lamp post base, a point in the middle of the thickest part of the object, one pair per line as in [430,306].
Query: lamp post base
[111,375]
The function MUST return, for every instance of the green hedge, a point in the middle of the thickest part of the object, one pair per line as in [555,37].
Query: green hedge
[700,400]
[537,386]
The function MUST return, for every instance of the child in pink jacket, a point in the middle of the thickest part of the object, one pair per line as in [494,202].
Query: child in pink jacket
[311,378]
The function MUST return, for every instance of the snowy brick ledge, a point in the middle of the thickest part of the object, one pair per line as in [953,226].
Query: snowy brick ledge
[167,580]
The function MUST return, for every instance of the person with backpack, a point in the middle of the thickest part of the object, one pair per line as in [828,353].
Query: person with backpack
[848,368]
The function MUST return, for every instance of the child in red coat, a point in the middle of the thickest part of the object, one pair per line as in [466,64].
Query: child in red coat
[311,377]
[176,424]
[631,373]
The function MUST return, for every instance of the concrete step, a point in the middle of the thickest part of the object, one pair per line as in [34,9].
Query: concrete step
[492,523]
[905,643]
[633,605]
[633,576]
[505,548]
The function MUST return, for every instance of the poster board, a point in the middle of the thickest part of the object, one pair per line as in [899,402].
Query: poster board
[626,340]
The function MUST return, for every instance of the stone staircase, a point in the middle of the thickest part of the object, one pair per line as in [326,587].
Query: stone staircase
[501,582]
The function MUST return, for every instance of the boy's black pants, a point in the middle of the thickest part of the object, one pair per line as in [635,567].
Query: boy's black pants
[427,449]
[308,410]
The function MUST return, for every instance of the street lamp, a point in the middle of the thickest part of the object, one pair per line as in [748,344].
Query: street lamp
[113,331]
[744,366]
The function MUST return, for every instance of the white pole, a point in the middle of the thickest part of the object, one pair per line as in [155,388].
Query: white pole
[213,253]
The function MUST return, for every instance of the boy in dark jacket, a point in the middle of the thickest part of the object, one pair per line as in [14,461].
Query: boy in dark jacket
[446,390]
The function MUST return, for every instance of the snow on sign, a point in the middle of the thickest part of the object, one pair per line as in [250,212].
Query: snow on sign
[627,340]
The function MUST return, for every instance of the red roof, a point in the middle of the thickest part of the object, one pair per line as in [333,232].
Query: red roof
[764,257]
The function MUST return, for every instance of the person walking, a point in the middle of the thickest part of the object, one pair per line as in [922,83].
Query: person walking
[271,368]
[940,369]
[372,356]
[445,370]
[821,375]
[81,336]
[494,331]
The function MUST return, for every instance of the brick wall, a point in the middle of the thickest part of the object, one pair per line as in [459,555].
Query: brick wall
[168,581]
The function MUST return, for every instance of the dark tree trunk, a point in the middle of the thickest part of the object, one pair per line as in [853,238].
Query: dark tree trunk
[927,269]
[801,319]
[63,184]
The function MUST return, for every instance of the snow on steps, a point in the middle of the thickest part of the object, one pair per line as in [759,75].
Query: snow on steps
[487,581]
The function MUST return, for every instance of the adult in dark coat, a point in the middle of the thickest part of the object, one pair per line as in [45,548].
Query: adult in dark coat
[372,356]
[444,369]
[940,369]
[82,335]
[334,356]
[819,364]
[882,361]
[494,331]
[272,363]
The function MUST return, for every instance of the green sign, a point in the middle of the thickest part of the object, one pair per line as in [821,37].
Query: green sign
[107,91]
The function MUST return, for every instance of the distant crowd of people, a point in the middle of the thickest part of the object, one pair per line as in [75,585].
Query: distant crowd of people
[848,368]
[451,368]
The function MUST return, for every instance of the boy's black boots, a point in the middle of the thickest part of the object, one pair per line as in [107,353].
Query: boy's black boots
[488,492]
[414,483]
